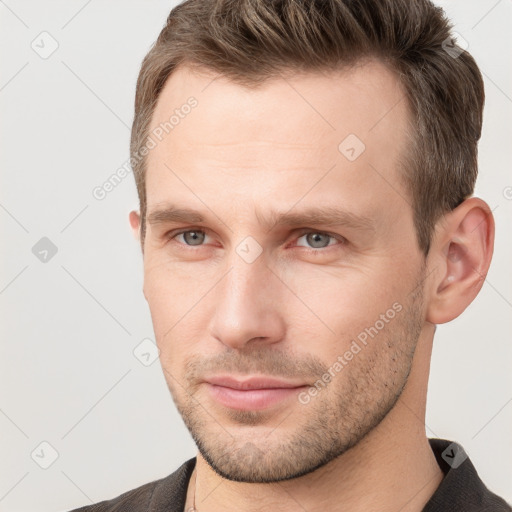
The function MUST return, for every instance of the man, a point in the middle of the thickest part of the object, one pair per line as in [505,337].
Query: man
[305,171]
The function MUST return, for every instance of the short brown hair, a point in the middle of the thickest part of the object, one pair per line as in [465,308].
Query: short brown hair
[250,41]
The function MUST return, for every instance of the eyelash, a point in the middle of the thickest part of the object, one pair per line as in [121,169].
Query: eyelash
[173,234]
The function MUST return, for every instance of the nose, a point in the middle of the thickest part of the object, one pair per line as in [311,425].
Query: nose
[248,306]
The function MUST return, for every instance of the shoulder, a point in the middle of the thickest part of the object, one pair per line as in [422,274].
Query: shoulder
[167,494]
[133,500]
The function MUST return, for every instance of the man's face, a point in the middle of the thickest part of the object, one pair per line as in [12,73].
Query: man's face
[245,294]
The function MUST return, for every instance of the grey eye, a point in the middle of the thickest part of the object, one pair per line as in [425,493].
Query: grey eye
[317,240]
[193,237]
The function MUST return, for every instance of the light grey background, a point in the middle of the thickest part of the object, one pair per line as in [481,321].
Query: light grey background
[68,374]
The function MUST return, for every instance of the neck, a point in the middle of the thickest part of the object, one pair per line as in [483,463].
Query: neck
[392,468]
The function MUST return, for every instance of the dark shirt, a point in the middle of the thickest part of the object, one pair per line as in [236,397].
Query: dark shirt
[460,490]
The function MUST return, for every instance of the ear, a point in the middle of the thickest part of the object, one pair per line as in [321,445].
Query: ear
[135,224]
[460,253]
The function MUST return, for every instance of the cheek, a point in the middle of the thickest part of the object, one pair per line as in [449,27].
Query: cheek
[343,301]
[351,314]
[171,290]
[173,297]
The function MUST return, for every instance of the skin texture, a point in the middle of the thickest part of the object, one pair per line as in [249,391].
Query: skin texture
[305,299]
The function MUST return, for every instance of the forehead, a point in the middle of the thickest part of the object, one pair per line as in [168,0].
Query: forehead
[353,98]
[281,136]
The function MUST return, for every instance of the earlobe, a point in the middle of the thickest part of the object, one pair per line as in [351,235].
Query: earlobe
[134,218]
[463,249]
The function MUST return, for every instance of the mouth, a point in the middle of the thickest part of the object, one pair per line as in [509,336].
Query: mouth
[251,393]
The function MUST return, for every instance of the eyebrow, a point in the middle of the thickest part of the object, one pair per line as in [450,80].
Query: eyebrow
[173,214]
[326,216]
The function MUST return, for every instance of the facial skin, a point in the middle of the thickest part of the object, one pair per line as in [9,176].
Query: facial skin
[302,303]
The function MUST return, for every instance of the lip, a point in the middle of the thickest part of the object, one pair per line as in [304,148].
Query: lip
[251,393]
[248,383]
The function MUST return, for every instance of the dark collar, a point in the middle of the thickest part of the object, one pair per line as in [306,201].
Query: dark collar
[460,490]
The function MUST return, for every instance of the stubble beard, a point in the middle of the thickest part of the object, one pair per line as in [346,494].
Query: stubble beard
[249,446]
